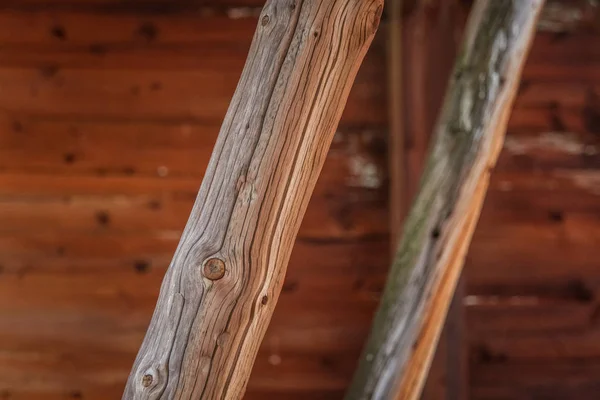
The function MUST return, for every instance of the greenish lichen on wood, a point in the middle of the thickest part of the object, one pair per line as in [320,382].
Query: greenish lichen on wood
[486,72]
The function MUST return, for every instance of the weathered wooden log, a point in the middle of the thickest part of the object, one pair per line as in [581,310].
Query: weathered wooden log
[220,290]
[438,228]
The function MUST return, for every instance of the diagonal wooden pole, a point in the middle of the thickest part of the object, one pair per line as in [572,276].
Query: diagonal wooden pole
[220,290]
[439,226]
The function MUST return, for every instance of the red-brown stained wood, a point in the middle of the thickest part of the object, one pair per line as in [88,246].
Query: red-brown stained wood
[45,328]
[327,310]
[532,270]
[114,72]
[556,381]
[134,6]
[349,201]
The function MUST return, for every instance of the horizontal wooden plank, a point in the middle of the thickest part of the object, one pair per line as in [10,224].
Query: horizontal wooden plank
[349,201]
[348,272]
[69,253]
[347,214]
[560,72]
[548,151]
[253,394]
[526,252]
[168,148]
[566,48]
[67,30]
[109,392]
[51,371]
[536,380]
[551,118]
[88,324]
[569,49]
[119,327]
[548,346]
[544,207]
[587,391]
[202,94]
[162,67]
[132,6]
[54,370]
[297,372]
[119,93]
[561,57]
[72,391]
[558,180]
[76,330]
[53,135]
[27,185]
[573,94]
[505,316]
[57,40]
[566,16]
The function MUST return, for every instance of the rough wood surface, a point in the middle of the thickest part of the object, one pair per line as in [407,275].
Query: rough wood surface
[221,288]
[93,199]
[440,224]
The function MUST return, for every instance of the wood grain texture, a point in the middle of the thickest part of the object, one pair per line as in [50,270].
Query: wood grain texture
[205,334]
[439,227]
[134,6]
[89,221]
[164,67]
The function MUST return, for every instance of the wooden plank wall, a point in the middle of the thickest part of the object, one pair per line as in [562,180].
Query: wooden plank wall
[108,113]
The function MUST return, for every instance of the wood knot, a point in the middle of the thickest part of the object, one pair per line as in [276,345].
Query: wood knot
[58,32]
[147,380]
[265,20]
[223,338]
[214,269]
[148,31]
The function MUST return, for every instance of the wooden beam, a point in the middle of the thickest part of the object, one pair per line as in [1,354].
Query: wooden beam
[439,227]
[396,149]
[423,41]
[222,286]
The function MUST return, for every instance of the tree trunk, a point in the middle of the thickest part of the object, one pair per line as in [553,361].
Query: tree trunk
[438,229]
[221,288]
